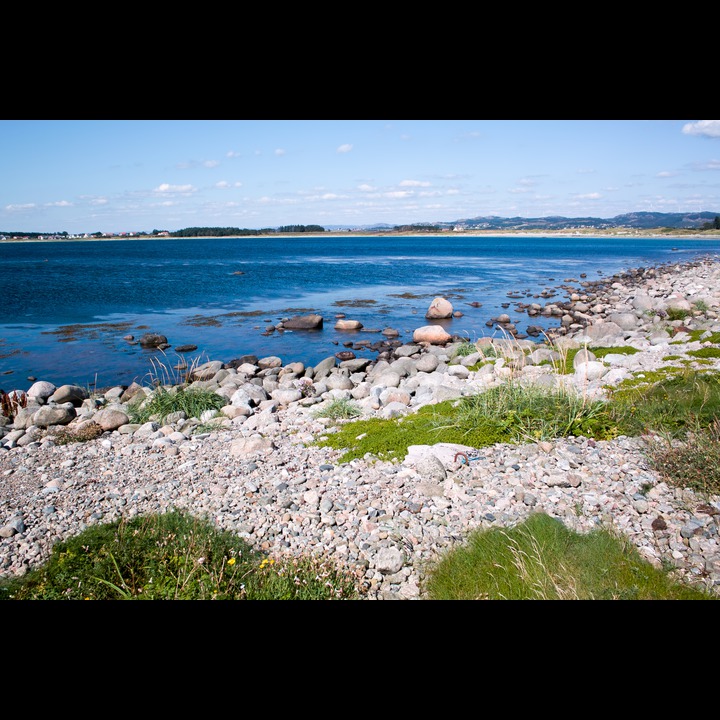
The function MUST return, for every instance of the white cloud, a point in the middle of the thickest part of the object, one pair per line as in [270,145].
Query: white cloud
[414,183]
[589,196]
[167,188]
[666,173]
[705,128]
[59,203]
[366,188]
[211,163]
[709,165]
[280,151]
[222,184]
[345,148]
[15,208]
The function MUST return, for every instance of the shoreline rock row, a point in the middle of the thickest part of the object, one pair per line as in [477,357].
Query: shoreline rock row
[257,473]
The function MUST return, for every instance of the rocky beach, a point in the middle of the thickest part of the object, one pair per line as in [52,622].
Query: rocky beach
[254,469]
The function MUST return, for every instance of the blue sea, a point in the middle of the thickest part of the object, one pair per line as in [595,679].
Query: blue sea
[67,306]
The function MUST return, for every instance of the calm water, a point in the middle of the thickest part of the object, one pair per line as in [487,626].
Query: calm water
[66,306]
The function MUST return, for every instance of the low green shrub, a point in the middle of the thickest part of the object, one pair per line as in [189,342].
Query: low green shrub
[68,434]
[541,559]
[174,556]
[690,462]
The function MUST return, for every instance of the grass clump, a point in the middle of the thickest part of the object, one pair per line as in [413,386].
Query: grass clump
[530,413]
[676,313]
[507,413]
[541,559]
[173,556]
[87,431]
[163,401]
[465,348]
[339,409]
[692,462]
[679,401]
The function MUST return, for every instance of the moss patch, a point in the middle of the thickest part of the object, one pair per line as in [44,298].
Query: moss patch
[706,352]
[648,377]
[696,336]
[389,439]
[601,352]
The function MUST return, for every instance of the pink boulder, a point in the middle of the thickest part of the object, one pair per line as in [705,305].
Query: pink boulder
[433,334]
[439,309]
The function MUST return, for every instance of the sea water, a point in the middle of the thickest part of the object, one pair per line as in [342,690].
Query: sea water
[67,307]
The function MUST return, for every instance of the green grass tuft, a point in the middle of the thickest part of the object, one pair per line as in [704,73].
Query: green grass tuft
[541,559]
[339,409]
[192,401]
[173,556]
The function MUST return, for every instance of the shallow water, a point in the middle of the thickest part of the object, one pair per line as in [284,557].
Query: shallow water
[66,306]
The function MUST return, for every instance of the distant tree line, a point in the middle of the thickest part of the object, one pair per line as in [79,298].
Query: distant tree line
[213,232]
[238,232]
[418,228]
[301,229]
[714,225]
[33,235]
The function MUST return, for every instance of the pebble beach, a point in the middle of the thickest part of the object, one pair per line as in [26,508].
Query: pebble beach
[259,474]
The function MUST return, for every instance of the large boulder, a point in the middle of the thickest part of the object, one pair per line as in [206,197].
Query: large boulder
[303,322]
[153,340]
[54,415]
[110,418]
[343,324]
[433,334]
[207,370]
[69,393]
[439,309]
[41,390]
[625,321]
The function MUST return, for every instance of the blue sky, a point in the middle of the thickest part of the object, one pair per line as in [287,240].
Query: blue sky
[142,175]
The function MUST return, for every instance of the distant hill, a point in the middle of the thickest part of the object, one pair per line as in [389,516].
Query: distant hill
[637,220]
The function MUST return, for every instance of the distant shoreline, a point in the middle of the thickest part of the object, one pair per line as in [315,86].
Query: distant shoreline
[651,235]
